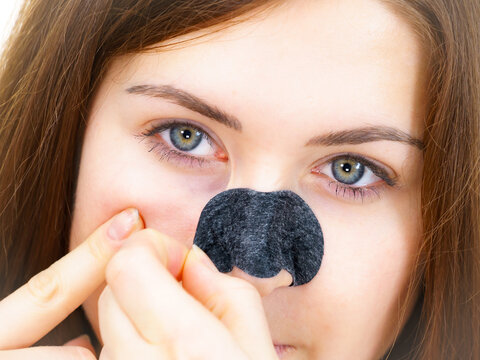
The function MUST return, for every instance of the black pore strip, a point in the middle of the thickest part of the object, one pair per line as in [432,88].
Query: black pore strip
[261,233]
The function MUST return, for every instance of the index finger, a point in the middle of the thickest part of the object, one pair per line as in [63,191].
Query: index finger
[49,297]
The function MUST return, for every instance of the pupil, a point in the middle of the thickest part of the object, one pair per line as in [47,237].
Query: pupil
[346,167]
[187,134]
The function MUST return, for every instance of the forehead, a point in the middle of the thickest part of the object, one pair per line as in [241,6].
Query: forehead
[342,59]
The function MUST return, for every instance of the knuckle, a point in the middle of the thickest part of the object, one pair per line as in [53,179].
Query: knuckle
[116,265]
[98,248]
[46,286]
[215,305]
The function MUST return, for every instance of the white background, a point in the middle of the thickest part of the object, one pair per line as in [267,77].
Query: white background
[8,13]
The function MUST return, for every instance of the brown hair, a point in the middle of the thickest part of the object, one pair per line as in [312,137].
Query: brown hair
[450,254]
[57,55]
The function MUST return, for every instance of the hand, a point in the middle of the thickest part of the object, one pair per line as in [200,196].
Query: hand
[49,297]
[145,313]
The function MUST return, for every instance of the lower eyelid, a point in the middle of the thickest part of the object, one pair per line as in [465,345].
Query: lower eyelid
[357,193]
[348,193]
[171,155]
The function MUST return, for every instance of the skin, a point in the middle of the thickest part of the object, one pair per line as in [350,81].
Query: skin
[301,69]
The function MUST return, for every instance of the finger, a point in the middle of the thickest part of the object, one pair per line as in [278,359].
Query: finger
[120,338]
[161,311]
[105,355]
[171,253]
[234,301]
[83,341]
[50,296]
[48,353]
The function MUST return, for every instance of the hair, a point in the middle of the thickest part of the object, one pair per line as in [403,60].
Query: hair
[58,54]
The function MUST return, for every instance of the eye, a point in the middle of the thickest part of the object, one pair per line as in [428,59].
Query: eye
[188,139]
[182,143]
[351,172]
[354,176]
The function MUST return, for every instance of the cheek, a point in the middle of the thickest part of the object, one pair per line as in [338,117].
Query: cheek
[369,260]
[117,171]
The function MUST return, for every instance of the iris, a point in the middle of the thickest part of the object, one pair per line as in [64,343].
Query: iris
[185,138]
[347,171]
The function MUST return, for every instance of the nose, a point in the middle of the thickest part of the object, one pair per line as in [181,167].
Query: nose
[265,286]
[262,173]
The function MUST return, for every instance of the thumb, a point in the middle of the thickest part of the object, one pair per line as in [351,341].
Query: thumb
[235,302]
[83,341]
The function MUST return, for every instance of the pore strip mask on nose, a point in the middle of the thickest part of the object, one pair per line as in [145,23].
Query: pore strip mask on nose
[261,233]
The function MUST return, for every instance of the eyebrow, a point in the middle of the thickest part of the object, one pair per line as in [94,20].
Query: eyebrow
[365,134]
[189,101]
[351,136]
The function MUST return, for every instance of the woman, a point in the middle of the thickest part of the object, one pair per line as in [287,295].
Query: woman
[369,111]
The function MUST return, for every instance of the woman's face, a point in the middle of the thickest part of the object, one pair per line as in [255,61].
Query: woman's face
[251,106]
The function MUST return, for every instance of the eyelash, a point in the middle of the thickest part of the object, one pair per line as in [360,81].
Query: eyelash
[356,192]
[169,154]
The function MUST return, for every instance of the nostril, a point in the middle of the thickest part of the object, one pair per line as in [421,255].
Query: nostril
[265,286]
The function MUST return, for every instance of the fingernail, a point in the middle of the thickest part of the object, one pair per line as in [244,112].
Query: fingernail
[123,224]
[204,259]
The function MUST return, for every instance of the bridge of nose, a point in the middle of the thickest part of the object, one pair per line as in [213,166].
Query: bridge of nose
[263,173]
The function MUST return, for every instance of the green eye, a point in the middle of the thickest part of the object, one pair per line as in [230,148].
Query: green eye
[185,138]
[347,171]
